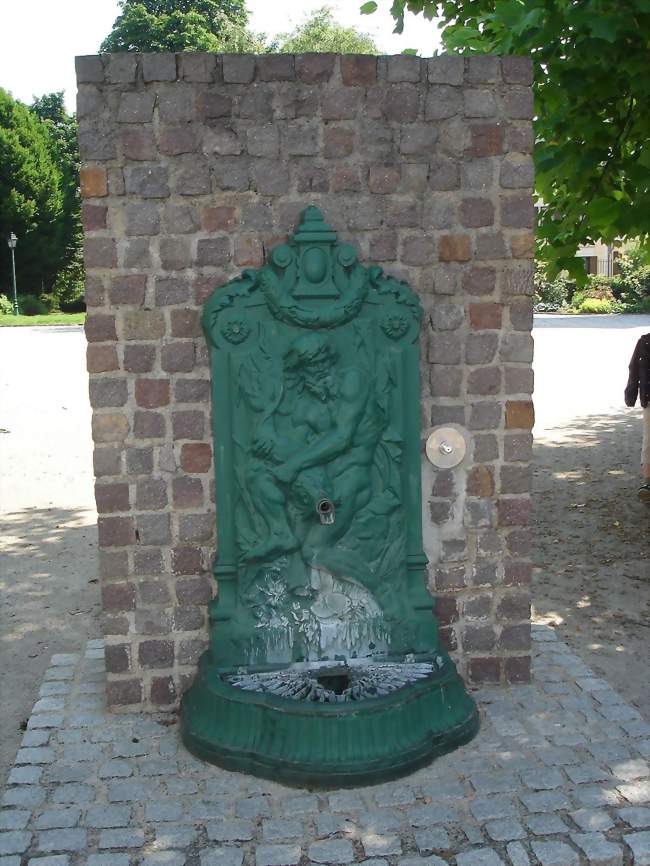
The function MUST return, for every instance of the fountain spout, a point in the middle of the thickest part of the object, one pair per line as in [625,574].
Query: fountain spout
[325,510]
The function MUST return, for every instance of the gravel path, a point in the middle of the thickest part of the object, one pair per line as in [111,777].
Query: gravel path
[592,557]
[49,594]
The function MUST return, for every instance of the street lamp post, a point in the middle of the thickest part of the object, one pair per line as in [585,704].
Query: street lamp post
[11,243]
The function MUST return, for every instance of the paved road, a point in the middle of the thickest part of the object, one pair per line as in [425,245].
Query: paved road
[48,602]
[46,451]
[581,364]
[48,536]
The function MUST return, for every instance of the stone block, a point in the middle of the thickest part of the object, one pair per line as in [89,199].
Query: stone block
[174,140]
[520,414]
[486,139]
[454,248]
[314,68]
[442,102]
[159,67]
[485,316]
[519,104]
[115,531]
[358,69]
[100,252]
[346,179]
[213,251]
[238,68]
[214,104]
[517,171]
[515,511]
[485,416]
[197,67]
[401,103]
[93,181]
[444,174]
[417,250]
[483,69]
[476,212]
[122,693]
[418,139]
[138,143]
[491,245]
[263,140]
[517,70]
[136,107]
[484,381]
[275,67]
[484,670]
[196,457]
[186,560]
[270,178]
[93,217]
[121,68]
[97,145]
[110,427]
[89,69]
[446,69]
[177,103]
[191,176]
[341,104]
[300,138]
[517,210]
[337,141]
[147,181]
[152,393]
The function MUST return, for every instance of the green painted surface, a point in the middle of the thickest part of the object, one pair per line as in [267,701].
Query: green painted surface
[316,407]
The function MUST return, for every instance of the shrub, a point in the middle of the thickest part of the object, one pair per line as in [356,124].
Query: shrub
[77,305]
[598,288]
[632,284]
[550,295]
[30,305]
[596,305]
[6,306]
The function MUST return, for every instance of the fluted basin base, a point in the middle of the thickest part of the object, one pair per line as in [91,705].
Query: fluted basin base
[321,742]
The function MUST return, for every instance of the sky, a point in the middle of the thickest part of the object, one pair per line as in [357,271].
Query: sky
[41,38]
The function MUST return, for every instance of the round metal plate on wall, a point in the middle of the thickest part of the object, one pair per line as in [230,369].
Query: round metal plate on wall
[446,447]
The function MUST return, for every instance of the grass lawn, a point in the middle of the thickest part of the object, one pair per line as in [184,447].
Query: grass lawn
[50,319]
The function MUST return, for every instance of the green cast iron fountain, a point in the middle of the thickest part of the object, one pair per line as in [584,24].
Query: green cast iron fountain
[324,667]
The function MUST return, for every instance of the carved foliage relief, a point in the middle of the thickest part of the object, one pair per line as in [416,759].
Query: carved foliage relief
[315,373]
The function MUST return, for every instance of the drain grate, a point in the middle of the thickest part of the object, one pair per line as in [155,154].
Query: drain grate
[336,685]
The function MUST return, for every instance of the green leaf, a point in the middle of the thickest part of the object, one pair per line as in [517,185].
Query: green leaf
[410,51]
[603,211]
[604,28]
[368,8]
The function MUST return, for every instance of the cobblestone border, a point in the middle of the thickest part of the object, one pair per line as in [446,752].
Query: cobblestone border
[557,777]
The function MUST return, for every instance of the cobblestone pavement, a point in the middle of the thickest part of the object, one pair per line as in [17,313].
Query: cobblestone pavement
[558,776]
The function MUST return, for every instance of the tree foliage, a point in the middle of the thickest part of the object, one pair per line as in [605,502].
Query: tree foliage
[62,132]
[320,32]
[592,101]
[181,25]
[31,199]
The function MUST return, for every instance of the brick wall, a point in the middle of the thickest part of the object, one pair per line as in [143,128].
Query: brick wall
[193,165]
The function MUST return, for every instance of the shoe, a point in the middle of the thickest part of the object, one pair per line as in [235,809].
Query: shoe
[644,492]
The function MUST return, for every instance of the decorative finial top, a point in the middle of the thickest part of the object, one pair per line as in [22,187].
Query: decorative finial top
[312,227]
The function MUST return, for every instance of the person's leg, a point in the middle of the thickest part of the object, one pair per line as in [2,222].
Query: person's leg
[644,490]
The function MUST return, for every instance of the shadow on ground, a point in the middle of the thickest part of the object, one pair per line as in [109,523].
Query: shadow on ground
[592,546]
[49,602]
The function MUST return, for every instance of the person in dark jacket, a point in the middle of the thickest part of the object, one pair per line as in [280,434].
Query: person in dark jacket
[638,385]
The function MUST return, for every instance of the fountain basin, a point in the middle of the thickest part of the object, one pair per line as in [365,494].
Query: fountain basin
[327,743]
